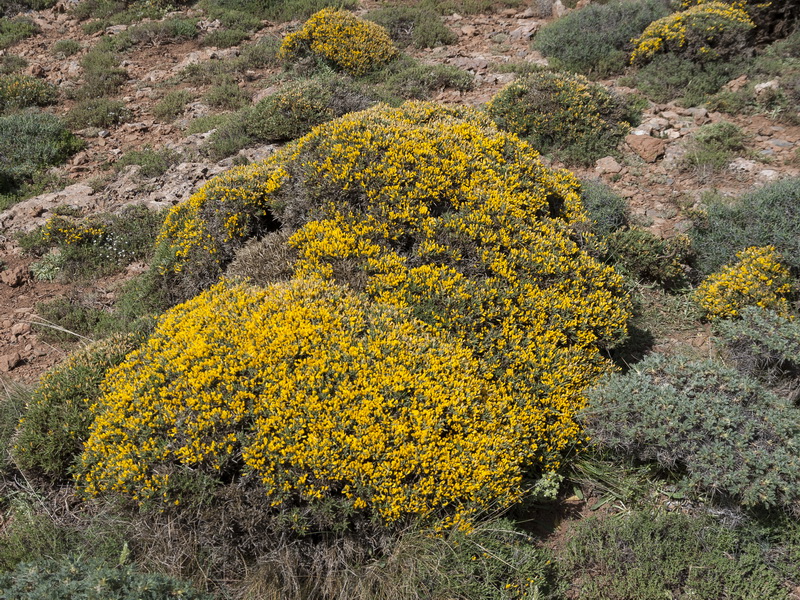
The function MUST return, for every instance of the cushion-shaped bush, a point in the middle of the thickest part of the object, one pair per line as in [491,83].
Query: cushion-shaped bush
[580,120]
[22,91]
[354,45]
[646,256]
[726,432]
[317,392]
[605,32]
[429,208]
[418,26]
[768,216]
[705,32]
[56,422]
[757,279]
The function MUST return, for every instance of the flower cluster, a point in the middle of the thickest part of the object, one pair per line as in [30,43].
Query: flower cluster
[22,91]
[557,110]
[757,279]
[705,31]
[353,45]
[62,231]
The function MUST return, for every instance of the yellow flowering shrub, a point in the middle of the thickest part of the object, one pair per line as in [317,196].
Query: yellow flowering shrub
[757,279]
[562,111]
[316,392]
[703,32]
[21,91]
[432,210]
[351,44]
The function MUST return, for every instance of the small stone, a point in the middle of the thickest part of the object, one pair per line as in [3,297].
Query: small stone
[9,361]
[737,84]
[468,30]
[14,277]
[647,147]
[20,328]
[607,165]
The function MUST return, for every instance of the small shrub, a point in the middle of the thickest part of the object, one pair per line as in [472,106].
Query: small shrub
[605,32]
[11,63]
[159,33]
[766,216]
[228,96]
[12,407]
[757,279]
[713,146]
[647,555]
[57,419]
[418,81]
[231,135]
[705,32]
[29,534]
[607,210]
[101,74]
[73,578]
[153,163]
[172,105]
[225,38]
[24,91]
[413,25]
[97,112]
[65,48]
[298,107]
[645,256]
[15,30]
[29,142]
[727,433]
[764,344]
[348,43]
[282,11]
[207,123]
[564,113]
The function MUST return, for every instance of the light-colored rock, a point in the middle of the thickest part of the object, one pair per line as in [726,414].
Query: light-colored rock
[9,361]
[763,89]
[647,147]
[607,166]
[559,9]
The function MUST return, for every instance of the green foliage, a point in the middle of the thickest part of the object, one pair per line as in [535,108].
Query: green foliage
[256,55]
[279,10]
[12,7]
[153,163]
[31,141]
[768,216]
[413,25]
[102,75]
[24,91]
[605,32]
[225,38]
[12,406]
[228,96]
[11,63]
[725,432]
[64,48]
[74,578]
[172,105]
[713,146]
[29,533]
[645,256]
[56,422]
[411,80]
[97,112]
[158,33]
[207,123]
[607,210]
[763,344]
[15,30]
[651,556]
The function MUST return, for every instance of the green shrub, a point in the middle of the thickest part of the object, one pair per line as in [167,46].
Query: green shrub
[15,30]
[159,33]
[172,105]
[29,533]
[56,422]
[296,108]
[769,216]
[29,142]
[705,32]
[12,7]
[645,256]
[563,113]
[102,75]
[11,63]
[228,96]
[74,578]
[256,55]
[605,32]
[713,146]
[726,433]
[764,344]
[12,407]
[97,112]
[607,210]
[411,80]
[207,123]
[231,134]
[653,555]
[153,163]
[342,40]
[413,25]
[64,48]
[230,18]
[280,10]
[671,77]
[24,91]
[225,38]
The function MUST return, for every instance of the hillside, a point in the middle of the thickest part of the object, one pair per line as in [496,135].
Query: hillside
[618,298]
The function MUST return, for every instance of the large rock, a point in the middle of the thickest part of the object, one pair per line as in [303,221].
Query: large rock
[607,165]
[647,147]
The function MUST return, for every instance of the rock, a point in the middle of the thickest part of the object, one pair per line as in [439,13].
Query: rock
[524,32]
[742,165]
[656,124]
[781,143]
[36,71]
[468,30]
[607,165]
[558,9]
[768,174]
[115,29]
[736,84]
[700,115]
[20,328]
[763,89]
[9,361]
[672,134]
[647,147]
[14,277]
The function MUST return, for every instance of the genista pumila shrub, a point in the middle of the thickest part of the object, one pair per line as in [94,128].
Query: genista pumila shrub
[563,112]
[430,209]
[353,45]
[318,392]
[704,32]
[757,279]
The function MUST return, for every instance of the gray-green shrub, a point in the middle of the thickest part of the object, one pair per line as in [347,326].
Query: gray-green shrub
[420,27]
[97,112]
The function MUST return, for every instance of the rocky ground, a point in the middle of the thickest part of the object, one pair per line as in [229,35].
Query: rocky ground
[659,190]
